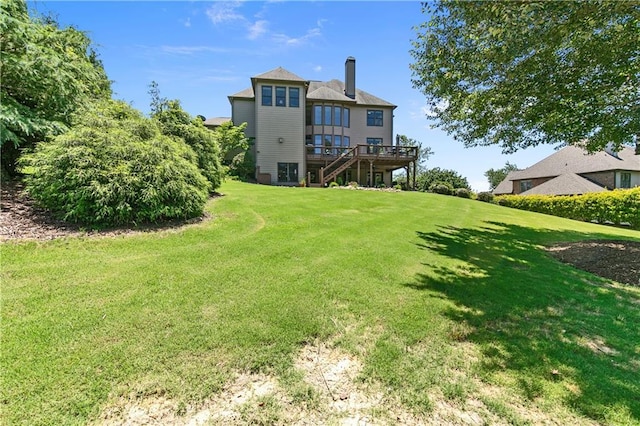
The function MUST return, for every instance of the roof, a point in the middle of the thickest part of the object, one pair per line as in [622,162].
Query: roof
[565,184]
[216,121]
[318,90]
[246,93]
[334,90]
[573,159]
[506,186]
[279,74]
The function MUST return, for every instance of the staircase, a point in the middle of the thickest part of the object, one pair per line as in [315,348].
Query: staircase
[338,166]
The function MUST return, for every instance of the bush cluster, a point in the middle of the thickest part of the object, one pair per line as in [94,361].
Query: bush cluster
[619,206]
[487,197]
[115,167]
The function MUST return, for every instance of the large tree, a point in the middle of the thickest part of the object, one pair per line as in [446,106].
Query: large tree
[519,74]
[424,152]
[495,176]
[46,74]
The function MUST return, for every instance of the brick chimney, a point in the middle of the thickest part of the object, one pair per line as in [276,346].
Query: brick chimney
[350,77]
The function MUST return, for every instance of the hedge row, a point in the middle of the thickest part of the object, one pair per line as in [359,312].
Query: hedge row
[620,206]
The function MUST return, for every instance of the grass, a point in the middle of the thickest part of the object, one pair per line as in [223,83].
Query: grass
[441,298]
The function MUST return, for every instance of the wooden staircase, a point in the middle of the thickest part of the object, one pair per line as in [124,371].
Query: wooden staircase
[338,166]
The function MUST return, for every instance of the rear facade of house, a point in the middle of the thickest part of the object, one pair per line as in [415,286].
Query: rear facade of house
[318,132]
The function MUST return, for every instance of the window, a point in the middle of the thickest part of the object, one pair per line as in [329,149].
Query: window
[327,144]
[345,141]
[625,180]
[345,121]
[374,117]
[288,172]
[317,142]
[281,95]
[327,115]
[307,114]
[337,116]
[337,141]
[317,115]
[372,142]
[267,95]
[525,185]
[294,97]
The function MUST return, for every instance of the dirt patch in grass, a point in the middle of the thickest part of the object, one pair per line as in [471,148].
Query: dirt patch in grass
[618,260]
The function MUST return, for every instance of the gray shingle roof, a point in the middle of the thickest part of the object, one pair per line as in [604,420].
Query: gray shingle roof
[279,74]
[246,93]
[216,121]
[573,159]
[506,186]
[565,184]
[336,92]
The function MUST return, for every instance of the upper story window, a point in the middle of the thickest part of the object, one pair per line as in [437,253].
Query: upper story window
[294,97]
[337,116]
[327,115]
[267,95]
[281,96]
[345,118]
[374,117]
[317,115]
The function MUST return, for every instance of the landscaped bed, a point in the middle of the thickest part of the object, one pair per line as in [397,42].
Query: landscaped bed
[310,306]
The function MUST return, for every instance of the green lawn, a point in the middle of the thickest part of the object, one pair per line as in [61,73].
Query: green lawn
[443,300]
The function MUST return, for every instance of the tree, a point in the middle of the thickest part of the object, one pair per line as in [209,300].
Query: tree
[430,177]
[174,121]
[495,176]
[232,140]
[519,74]
[115,167]
[424,152]
[47,73]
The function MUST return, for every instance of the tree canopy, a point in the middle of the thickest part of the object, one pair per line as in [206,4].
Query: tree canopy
[519,74]
[430,177]
[47,73]
[495,176]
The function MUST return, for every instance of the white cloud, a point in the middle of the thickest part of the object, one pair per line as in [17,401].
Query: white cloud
[187,22]
[258,29]
[317,68]
[224,11]
[297,41]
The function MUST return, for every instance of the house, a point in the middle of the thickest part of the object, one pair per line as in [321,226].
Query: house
[574,171]
[213,123]
[318,131]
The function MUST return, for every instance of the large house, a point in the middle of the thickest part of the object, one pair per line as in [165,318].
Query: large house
[318,131]
[573,171]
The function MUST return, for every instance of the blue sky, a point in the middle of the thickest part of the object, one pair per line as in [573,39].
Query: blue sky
[201,52]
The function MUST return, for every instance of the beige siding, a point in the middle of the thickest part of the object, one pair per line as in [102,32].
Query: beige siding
[275,123]
[359,131]
[243,111]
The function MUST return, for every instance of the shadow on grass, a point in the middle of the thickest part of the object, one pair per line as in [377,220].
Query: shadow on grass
[555,331]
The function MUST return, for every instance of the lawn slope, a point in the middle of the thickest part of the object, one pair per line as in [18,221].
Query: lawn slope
[446,302]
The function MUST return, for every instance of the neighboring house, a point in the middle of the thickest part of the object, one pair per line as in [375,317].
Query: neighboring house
[573,171]
[215,122]
[318,131]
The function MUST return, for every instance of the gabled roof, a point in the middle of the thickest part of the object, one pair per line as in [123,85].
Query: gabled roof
[278,74]
[565,184]
[336,92]
[573,159]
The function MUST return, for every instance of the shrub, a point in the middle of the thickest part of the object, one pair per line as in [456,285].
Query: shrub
[339,180]
[174,121]
[441,188]
[353,184]
[487,197]
[397,187]
[333,184]
[114,167]
[617,207]
[462,193]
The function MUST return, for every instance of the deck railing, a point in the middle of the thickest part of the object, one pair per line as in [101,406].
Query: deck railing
[387,152]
